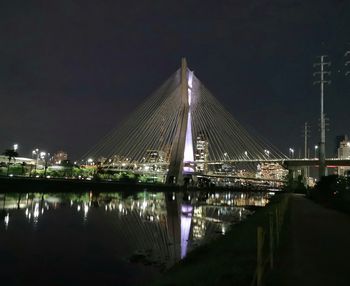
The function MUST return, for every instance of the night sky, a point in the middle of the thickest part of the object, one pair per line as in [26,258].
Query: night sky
[70,71]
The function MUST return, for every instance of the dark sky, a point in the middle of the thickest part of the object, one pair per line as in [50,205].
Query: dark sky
[72,70]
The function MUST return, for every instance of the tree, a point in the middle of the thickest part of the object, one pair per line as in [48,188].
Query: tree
[68,167]
[11,154]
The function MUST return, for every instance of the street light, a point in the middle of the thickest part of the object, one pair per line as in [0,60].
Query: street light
[42,155]
[316,147]
[15,147]
[291,152]
[267,152]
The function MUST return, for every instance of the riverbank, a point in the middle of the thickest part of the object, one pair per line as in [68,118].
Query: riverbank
[229,260]
[55,185]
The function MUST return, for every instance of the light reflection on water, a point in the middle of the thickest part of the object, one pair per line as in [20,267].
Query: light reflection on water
[152,230]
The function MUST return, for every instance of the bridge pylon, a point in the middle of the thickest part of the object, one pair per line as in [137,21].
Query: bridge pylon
[175,173]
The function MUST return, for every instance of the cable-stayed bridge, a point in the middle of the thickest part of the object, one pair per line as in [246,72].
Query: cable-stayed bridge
[182,130]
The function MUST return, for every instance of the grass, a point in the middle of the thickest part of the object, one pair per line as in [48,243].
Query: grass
[229,260]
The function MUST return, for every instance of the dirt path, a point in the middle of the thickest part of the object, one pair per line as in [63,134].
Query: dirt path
[316,250]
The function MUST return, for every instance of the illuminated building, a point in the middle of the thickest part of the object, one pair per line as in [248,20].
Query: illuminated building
[272,171]
[201,154]
[344,153]
[154,156]
[60,156]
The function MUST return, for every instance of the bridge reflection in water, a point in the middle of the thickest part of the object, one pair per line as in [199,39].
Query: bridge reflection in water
[152,230]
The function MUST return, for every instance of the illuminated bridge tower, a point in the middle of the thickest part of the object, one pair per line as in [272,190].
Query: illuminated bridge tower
[182,148]
[157,138]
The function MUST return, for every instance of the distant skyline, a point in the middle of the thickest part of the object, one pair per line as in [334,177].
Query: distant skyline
[70,71]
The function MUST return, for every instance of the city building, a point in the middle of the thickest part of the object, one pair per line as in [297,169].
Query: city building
[272,171]
[339,139]
[60,156]
[344,153]
[155,156]
[201,154]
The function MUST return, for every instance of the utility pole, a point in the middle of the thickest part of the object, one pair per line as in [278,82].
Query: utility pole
[347,62]
[322,81]
[306,135]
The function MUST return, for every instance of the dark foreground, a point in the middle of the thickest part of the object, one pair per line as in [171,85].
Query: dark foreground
[316,247]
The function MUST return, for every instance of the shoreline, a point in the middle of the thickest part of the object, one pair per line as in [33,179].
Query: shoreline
[55,185]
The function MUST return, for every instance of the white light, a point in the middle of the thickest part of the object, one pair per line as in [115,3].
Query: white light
[36,210]
[86,209]
[7,219]
[223,229]
[78,208]
[190,79]
[15,147]
[188,152]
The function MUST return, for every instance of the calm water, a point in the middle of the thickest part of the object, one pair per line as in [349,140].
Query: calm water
[109,239]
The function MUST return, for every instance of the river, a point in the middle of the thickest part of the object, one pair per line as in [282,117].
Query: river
[110,238]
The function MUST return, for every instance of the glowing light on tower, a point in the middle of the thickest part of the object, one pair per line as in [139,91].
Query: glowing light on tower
[186,219]
[188,155]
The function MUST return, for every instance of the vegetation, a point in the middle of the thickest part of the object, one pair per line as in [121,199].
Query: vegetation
[332,191]
[295,186]
[68,170]
[10,154]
